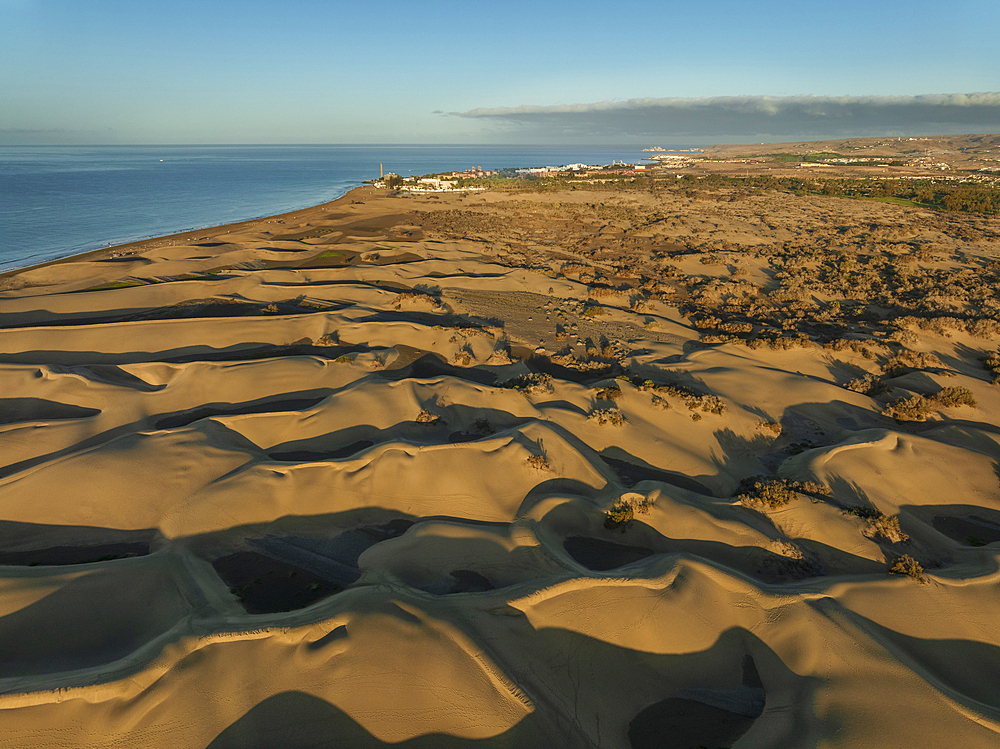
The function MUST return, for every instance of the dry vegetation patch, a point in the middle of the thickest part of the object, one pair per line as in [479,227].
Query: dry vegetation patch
[878,525]
[869,384]
[919,407]
[538,462]
[907,565]
[992,364]
[534,383]
[694,400]
[612,393]
[624,511]
[426,417]
[607,417]
[770,493]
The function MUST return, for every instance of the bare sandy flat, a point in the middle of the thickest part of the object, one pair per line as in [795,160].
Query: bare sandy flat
[593,467]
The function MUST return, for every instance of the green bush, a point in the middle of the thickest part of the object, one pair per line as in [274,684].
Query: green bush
[760,491]
[624,510]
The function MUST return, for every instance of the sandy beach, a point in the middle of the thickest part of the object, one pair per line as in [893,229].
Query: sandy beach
[589,467]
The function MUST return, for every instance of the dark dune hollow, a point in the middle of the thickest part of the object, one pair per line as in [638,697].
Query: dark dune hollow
[972,530]
[16,410]
[688,721]
[57,555]
[266,585]
[598,554]
[276,406]
[678,723]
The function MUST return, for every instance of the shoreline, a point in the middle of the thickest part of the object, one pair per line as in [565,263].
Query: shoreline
[150,242]
[138,245]
[126,195]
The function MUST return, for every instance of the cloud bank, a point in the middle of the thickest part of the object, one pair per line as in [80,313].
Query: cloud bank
[740,118]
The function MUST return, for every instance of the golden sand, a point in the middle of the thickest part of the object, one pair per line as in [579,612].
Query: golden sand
[456,470]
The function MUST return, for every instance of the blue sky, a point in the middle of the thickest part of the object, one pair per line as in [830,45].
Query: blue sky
[303,71]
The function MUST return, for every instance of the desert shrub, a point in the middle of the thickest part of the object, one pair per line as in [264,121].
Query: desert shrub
[942,325]
[533,383]
[918,407]
[604,416]
[810,487]
[869,385]
[907,565]
[594,310]
[601,291]
[912,408]
[982,327]
[955,396]
[661,403]
[325,340]
[706,323]
[624,510]
[786,549]
[903,336]
[770,426]
[907,361]
[608,393]
[786,343]
[538,462]
[846,344]
[405,296]
[720,338]
[271,309]
[771,493]
[694,400]
[344,359]
[884,526]
[708,403]
[992,364]
[426,417]
[736,327]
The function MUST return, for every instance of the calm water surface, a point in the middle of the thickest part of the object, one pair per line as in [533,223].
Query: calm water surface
[57,201]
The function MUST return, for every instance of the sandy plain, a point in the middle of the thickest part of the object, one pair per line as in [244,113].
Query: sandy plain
[596,467]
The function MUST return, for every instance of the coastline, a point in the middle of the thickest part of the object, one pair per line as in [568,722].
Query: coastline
[139,245]
[63,202]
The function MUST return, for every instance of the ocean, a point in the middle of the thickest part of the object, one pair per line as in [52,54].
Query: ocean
[57,201]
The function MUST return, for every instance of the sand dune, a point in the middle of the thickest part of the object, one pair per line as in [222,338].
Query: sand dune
[394,471]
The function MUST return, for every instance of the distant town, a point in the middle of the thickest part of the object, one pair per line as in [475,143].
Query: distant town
[472,179]
[955,159]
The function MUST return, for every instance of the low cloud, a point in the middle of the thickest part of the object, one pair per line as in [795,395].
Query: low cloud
[739,118]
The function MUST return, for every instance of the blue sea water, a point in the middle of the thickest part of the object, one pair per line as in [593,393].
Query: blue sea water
[57,201]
